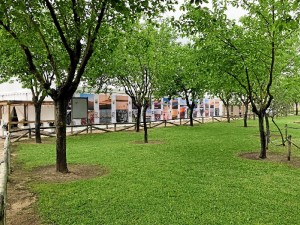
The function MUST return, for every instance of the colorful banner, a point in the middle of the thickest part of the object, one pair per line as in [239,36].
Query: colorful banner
[175,112]
[183,109]
[166,111]
[157,110]
[105,108]
[206,107]
[121,109]
[90,98]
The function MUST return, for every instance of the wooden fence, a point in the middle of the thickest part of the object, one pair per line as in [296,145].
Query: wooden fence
[18,134]
[4,172]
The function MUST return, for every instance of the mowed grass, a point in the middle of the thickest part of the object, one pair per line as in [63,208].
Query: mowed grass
[195,176]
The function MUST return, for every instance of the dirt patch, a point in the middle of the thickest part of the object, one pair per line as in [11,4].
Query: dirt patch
[152,142]
[21,207]
[77,172]
[273,157]
[21,202]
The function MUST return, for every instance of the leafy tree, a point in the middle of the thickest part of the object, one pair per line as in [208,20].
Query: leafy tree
[62,34]
[135,62]
[13,66]
[185,75]
[251,48]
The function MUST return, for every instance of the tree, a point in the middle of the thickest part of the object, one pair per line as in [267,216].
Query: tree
[62,34]
[135,63]
[244,98]
[251,48]
[185,76]
[264,33]
[13,66]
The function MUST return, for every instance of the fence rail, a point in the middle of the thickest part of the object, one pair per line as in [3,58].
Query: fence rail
[49,131]
[287,138]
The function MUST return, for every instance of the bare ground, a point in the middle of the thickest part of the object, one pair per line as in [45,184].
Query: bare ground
[273,157]
[21,208]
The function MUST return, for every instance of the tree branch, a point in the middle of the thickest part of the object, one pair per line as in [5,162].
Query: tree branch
[60,31]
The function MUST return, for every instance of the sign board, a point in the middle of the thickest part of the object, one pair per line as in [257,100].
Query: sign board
[79,108]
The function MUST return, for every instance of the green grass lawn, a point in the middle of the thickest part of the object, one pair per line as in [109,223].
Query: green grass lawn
[194,177]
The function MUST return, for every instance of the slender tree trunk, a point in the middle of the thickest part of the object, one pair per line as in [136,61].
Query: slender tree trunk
[138,119]
[263,146]
[37,128]
[297,110]
[282,139]
[145,124]
[61,120]
[246,115]
[267,131]
[191,115]
[228,113]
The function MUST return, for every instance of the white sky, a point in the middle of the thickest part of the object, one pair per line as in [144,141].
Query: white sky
[233,13]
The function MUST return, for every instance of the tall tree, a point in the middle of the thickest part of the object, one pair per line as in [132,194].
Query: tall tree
[62,34]
[252,47]
[266,30]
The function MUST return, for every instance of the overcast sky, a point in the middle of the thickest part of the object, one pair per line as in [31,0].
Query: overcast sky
[233,13]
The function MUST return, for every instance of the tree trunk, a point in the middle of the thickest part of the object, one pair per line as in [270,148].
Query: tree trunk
[191,115]
[282,139]
[228,113]
[263,147]
[37,127]
[138,119]
[267,131]
[61,120]
[297,110]
[145,124]
[246,115]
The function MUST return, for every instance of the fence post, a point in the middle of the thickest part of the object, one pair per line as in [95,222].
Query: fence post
[8,155]
[72,126]
[115,127]
[29,133]
[289,147]
[165,122]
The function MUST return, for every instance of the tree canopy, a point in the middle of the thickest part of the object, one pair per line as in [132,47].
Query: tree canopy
[58,40]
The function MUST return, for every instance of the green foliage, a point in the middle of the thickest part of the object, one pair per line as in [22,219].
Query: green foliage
[134,60]
[186,73]
[58,38]
[194,175]
[254,52]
